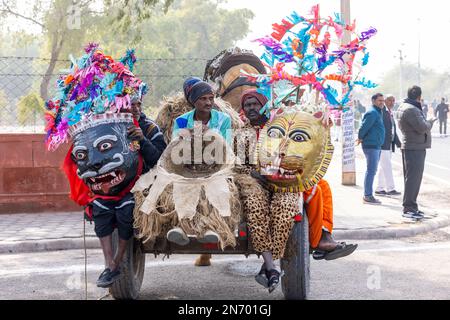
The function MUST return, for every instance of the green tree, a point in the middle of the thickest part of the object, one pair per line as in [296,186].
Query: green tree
[434,84]
[30,109]
[125,14]
[64,23]
[192,32]
[171,45]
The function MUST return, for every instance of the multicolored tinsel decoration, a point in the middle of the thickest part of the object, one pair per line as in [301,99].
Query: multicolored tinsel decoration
[96,84]
[314,56]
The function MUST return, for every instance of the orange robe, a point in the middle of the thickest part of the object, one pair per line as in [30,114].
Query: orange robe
[319,208]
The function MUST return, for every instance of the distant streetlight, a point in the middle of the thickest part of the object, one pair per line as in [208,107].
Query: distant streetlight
[401,58]
[418,57]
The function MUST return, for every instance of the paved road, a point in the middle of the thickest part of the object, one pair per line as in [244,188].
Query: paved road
[412,268]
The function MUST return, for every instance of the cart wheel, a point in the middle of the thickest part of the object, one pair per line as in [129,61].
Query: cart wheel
[295,264]
[131,270]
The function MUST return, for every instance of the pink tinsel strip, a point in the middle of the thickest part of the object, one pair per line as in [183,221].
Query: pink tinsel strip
[315,12]
[56,140]
[122,103]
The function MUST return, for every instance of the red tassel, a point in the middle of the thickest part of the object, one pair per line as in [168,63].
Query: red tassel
[281,29]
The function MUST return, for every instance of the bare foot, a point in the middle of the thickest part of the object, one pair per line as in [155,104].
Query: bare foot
[113,266]
[327,242]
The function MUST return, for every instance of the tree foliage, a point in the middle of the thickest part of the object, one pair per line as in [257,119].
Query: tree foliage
[434,84]
[192,32]
[30,109]
[127,13]
[182,34]
[65,23]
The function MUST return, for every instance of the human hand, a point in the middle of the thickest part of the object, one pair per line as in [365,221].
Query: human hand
[135,133]
[358,142]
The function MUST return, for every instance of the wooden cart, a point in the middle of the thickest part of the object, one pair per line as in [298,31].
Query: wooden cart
[295,264]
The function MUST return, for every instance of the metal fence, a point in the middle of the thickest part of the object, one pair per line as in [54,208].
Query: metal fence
[21,104]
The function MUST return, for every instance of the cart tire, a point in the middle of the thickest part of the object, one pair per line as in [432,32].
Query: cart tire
[129,284]
[295,264]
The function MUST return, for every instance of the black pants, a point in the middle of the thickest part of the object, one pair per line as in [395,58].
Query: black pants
[110,214]
[413,166]
[443,123]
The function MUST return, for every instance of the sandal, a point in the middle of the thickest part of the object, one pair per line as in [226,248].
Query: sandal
[108,277]
[341,250]
[273,277]
[261,277]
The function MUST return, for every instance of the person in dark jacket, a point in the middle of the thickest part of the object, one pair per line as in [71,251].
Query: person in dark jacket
[442,114]
[416,132]
[151,145]
[149,135]
[371,135]
[386,185]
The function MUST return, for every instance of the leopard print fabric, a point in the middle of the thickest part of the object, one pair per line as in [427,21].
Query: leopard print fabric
[270,217]
[283,208]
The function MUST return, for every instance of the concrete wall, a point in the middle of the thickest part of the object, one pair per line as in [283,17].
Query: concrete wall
[31,179]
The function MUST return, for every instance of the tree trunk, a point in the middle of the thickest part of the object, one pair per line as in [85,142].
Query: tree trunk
[56,50]
[203,48]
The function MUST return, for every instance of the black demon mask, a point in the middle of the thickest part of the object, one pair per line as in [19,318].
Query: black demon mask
[107,159]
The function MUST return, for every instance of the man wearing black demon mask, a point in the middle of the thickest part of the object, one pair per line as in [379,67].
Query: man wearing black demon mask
[97,110]
[110,154]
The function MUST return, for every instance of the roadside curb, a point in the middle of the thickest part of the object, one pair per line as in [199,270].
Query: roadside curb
[393,232]
[48,245]
[29,246]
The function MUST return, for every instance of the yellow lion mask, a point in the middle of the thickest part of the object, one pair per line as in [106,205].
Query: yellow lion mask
[294,150]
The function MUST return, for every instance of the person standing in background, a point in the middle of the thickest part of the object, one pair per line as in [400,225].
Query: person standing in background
[416,139]
[434,105]
[386,185]
[442,114]
[371,135]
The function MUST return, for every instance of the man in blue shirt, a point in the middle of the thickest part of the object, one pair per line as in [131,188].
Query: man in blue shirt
[200,96]
[371,135]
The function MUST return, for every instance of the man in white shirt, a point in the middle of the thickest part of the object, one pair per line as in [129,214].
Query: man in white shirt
[386,186]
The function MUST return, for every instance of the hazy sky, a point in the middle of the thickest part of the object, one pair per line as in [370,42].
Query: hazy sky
[397,22]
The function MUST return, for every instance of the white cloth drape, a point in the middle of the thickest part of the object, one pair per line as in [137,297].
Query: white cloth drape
[186,191]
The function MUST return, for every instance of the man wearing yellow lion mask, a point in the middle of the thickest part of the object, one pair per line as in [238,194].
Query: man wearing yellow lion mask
[294,152]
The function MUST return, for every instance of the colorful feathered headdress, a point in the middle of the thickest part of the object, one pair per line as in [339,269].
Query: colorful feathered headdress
[309,55]
[96,84]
